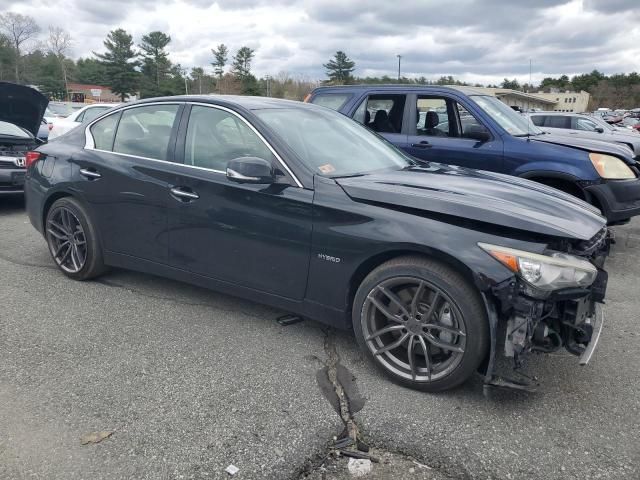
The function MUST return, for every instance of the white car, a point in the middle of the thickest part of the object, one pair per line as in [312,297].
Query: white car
[60,126]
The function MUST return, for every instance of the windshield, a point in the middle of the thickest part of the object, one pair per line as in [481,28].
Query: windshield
[602,123]
[331,144]
[514,123]
[11,130]
[58,109]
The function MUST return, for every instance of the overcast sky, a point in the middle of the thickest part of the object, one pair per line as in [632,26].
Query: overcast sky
[474,40]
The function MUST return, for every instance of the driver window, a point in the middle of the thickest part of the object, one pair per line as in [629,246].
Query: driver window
[432,119]
[467,120]
[214,137]
[584,124]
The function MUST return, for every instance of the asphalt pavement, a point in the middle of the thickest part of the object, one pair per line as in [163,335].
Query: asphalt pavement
[185,382]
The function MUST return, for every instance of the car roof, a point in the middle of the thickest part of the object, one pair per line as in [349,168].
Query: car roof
[401,87]
[246,102]
[579,114]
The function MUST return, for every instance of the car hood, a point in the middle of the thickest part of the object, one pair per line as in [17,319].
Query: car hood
[587,144]
[478,195]
[22,106]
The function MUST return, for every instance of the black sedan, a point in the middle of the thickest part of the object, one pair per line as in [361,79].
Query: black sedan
[436,268]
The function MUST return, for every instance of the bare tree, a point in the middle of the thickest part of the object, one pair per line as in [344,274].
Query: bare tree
[19,29]
[59,44]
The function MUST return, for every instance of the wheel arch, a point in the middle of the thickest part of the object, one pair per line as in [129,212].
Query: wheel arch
[562,181]
[51,199]
[374,261]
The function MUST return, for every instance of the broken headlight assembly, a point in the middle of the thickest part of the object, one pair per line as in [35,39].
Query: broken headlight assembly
[545,273]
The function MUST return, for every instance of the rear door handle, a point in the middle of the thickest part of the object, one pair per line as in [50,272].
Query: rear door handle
[423,144]
[183,194]
[90,173]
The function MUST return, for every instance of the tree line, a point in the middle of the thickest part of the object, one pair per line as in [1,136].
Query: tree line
[128,69]
[620,90]
[145,69]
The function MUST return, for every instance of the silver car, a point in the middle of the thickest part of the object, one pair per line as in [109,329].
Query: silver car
[585,126]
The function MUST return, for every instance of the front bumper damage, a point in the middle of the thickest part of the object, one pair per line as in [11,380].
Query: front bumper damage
[522,323]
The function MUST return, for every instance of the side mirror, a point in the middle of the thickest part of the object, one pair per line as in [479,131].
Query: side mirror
[251,170]
[477,132]
[599,130]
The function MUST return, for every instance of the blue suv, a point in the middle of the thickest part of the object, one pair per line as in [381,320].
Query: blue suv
[462,126]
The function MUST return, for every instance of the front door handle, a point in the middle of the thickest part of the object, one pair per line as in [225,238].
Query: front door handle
[184,195]
[422,144]
[90,173]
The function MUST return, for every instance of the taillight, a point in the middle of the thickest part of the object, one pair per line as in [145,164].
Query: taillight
[50,126]
[307,97]
[31,158]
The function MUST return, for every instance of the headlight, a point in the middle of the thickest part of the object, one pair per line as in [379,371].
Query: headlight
[610,167]
[544,272]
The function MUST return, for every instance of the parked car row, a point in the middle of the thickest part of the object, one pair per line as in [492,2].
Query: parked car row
[479,131]
[438,269]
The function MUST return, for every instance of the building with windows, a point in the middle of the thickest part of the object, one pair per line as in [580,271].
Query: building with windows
[554,101]
[81,93]
[567,101]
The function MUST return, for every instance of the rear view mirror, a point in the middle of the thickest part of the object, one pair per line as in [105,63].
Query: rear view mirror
[599,129]
[251,170]
[477,132]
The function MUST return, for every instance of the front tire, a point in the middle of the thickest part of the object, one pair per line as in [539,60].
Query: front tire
[422,323]
[73,240]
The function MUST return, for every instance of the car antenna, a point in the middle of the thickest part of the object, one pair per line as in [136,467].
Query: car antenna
[527,116]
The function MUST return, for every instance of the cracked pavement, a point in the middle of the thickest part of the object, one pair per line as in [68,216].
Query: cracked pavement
[191,381]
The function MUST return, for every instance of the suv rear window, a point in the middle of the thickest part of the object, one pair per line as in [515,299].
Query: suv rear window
[334,101]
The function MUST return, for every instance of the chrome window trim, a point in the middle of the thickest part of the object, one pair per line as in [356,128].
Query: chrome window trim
[90,143]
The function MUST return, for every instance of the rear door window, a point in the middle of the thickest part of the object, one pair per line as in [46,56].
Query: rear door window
[382,113]
[146,131]
[334,101]
[557,121]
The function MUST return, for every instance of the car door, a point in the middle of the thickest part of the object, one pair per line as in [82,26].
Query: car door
[122,174]
[443,133]
[256,236]
[385,114]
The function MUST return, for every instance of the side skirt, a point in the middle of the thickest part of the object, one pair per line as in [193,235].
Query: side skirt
[305,308]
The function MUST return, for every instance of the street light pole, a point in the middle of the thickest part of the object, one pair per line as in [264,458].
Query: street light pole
[399,57]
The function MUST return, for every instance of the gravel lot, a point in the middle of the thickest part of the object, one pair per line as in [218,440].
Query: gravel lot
[190,381]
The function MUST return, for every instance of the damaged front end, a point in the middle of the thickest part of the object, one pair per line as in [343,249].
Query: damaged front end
[553,301]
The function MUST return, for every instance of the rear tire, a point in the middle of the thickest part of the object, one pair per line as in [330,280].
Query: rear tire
[422,323]
[73,240]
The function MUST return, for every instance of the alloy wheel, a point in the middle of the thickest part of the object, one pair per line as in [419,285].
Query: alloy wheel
[414,329]
[67,240]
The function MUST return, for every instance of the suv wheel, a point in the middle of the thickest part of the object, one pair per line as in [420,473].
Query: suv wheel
[422,323]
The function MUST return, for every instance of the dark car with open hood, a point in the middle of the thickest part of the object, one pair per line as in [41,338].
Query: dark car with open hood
[21,112]
[437,269]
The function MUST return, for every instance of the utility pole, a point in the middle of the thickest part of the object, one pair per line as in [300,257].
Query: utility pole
[399,58]
[268,79]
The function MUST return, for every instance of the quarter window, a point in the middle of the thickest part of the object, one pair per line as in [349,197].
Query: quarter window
[145,131]
[214,137]
[103,132]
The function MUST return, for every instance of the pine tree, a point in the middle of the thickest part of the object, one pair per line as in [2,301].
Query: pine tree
[340,68]
[120,64]
[155,60]
[221,56]
[241,66]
